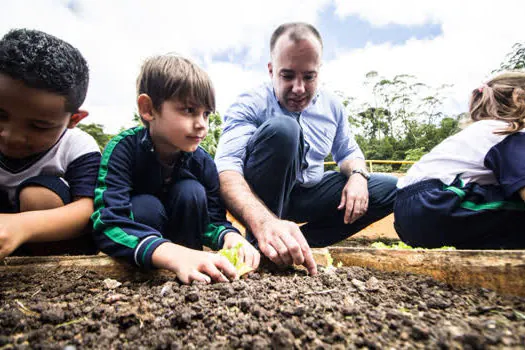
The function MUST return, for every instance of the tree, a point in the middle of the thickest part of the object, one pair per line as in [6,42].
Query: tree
[403,120]
[211,141]
[514,60]
[97,131]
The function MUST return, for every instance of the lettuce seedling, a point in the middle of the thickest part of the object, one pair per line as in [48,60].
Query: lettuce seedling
[232,255]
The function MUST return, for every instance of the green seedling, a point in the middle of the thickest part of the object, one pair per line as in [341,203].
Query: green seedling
[232,255]
[329,260]
[401,245]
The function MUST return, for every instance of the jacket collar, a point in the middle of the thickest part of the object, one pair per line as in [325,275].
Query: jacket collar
[147,144]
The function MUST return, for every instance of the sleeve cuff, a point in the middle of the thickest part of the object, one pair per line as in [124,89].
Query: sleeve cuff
[354,155]
[224,165]
[220,240]
[145,249]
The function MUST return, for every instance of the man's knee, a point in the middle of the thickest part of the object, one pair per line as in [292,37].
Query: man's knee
[281,134]
[38,198]
[382,189]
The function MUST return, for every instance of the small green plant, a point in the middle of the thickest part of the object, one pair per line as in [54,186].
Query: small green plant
[329,260]
[232,255]
[401,245]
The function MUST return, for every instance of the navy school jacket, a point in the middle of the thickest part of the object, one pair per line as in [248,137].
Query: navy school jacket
[130,167]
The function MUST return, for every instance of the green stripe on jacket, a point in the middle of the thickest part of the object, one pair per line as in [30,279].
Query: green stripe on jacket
[116,234]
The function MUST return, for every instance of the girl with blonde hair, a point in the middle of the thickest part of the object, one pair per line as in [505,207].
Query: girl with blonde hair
[469,191]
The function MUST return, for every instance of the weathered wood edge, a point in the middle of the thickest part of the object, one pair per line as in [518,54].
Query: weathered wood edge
[499,270]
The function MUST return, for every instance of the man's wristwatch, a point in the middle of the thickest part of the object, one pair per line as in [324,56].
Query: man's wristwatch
[361,172]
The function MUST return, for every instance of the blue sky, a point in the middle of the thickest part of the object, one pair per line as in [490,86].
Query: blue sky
[352,32]
[443,42]
[340,34]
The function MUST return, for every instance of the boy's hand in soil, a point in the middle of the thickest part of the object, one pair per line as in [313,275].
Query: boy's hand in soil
[247,252]
[193,265]
[12,234]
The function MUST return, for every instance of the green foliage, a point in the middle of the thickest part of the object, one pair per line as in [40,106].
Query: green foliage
[211,141]
[328,167]
[404,120]
[514,60]
[97,131]
[414,155]
[136,119]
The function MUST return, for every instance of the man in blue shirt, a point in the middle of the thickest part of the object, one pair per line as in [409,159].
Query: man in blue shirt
[270,158]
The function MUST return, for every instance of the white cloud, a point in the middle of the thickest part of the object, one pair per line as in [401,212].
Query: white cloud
[227,90]
[383,12]
[475,37]
[115,36]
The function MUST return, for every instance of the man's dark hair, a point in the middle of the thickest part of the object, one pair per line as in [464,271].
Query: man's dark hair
[296,31]
[43,61]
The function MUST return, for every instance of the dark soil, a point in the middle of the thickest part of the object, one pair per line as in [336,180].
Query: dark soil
[346,308]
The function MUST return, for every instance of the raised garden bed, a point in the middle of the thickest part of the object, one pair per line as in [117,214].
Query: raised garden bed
[60,305]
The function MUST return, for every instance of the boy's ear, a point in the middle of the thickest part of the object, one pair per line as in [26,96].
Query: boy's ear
[145,106]
[76,118]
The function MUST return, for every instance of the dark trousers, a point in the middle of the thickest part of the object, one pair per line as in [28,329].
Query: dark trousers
[429,215]
[274,160]
[181,217]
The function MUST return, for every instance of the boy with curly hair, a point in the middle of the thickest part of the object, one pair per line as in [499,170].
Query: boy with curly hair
[48,167]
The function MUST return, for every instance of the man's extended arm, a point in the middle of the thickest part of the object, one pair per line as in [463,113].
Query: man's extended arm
[280,240]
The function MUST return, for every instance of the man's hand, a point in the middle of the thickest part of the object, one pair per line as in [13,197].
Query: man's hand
[283,243]
[12,233]
[247,252]
[354,198]
[193,265]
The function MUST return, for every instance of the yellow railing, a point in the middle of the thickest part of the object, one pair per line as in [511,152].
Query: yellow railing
[370,162]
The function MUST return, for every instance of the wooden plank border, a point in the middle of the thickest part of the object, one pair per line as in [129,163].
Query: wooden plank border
[500,270]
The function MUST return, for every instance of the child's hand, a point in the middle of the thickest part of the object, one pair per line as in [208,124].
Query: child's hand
[193,265]
[247,252]
[12,234]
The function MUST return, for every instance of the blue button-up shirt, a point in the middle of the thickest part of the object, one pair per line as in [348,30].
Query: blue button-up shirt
[325,130]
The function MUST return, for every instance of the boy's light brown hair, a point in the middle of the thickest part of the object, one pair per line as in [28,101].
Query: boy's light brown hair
[172,77]
[502,98]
